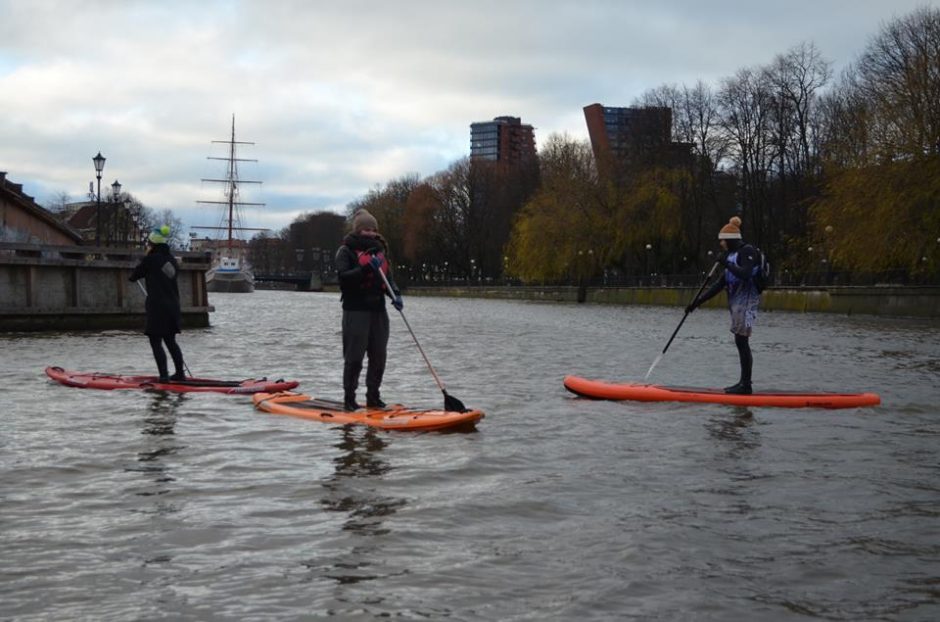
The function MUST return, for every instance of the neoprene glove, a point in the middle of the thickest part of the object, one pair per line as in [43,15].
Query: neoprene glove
[397,302]
[375,263]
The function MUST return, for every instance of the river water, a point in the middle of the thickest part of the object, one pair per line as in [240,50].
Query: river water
[150,506]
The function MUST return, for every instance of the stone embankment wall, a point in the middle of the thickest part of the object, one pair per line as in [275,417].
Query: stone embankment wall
[86,288]
[878,300]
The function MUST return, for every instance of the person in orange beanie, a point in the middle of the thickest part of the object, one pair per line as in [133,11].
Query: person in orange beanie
[741,263]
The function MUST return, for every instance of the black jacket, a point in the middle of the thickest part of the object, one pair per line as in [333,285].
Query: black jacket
[159,270]
[362,289]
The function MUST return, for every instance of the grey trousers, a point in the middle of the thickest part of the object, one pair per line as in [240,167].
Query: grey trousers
[364,332]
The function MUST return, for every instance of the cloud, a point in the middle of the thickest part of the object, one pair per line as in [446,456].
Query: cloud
[341,96]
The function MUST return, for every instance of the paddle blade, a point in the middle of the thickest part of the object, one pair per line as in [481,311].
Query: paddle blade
[452,404]
[655,363]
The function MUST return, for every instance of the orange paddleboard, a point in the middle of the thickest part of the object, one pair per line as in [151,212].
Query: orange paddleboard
[396,417]
[598,389]
[110,382]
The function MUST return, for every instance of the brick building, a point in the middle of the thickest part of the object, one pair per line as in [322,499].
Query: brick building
[622,135]
[505,140]
[22,220]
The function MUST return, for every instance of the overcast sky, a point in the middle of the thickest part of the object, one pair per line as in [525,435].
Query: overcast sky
[342,95]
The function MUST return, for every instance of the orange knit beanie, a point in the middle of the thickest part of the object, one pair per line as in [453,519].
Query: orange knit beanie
[731,231]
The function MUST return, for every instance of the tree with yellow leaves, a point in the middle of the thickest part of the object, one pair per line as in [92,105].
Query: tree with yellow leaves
[578,223]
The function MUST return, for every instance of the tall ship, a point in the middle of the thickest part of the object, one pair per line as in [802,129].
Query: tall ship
[230,271]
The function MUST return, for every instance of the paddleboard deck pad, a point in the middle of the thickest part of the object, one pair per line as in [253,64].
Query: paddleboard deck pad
[393,417]
[99,380]
[600,390]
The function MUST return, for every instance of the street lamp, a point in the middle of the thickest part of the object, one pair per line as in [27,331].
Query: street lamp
[135,216]
[115,193]
[99,166]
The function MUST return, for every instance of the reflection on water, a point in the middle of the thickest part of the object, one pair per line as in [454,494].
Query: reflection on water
[739,428]
[158,428]
[353,489]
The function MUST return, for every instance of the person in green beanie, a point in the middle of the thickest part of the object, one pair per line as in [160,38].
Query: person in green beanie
[159,270]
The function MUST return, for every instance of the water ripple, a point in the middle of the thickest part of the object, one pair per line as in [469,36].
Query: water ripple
[126,505]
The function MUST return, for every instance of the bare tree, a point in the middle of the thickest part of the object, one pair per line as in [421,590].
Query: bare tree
[899,74]
[845,138]
[796,78]
[149,219]
[745,103]
[57,202]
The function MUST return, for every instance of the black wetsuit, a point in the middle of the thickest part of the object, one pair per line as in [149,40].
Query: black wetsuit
[164,318]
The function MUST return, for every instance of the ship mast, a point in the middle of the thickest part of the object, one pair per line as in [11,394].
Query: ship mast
[232,182]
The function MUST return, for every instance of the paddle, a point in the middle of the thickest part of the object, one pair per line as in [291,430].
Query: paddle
[451,403]
[682,321]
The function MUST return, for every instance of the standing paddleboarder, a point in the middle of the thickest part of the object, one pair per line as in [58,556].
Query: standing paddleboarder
[159,268]
[359,260]
[741,262]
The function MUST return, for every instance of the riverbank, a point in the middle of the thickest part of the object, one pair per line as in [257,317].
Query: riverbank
[888,300]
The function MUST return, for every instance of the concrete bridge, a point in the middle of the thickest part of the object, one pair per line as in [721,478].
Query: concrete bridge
[44,287]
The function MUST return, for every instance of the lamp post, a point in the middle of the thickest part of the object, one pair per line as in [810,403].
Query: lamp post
[115,200]
[135,216]
[99,166]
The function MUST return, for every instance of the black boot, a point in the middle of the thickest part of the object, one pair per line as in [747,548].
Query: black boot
[350,404]
[741,388]
[373,400]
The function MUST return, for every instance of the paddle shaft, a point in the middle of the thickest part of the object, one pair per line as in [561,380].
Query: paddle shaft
[388,289]
[697,294]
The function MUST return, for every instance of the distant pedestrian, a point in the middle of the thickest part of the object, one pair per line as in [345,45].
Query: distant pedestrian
[159,270]
[359,260]
[741,262]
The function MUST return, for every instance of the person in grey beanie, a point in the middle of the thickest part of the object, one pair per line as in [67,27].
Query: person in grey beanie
[359,259]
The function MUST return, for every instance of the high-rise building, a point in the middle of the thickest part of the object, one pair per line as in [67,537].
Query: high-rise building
[616,132]
[505,140]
